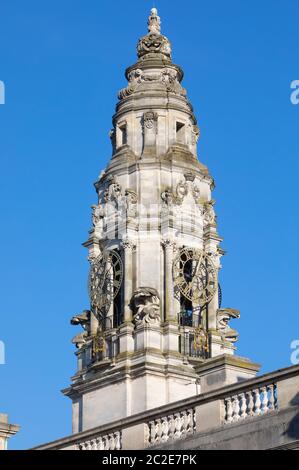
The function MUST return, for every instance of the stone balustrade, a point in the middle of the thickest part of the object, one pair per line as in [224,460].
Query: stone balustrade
[172,427]
[245,402]
[248,404]
[108,442]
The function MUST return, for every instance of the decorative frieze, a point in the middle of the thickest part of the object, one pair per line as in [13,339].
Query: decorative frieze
[168,78]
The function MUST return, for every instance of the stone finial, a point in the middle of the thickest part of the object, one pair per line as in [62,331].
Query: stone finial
[154,22]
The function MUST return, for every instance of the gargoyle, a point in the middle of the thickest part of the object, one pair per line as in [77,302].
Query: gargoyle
[83,320]
[224,316]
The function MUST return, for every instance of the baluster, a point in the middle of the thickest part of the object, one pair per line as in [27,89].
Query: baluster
[171,421]
[185,422]
[271,397]
[236,408]
[165,430]
[178,426]
[100,444]
[264,406]
[243,407]
[191,426]
[117,441]
[111,442]
[152,433]
[276,404]
[93,445]
[106,443]
[82,446]
[258,403]
[250,404]
[88,445]
[229,410]
[159,430]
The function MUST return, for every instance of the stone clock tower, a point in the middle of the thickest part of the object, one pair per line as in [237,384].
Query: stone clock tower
[155,327]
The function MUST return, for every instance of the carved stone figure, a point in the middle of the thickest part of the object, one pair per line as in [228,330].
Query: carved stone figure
[113,192]
[167,197]
[131,203]
[98,214]
[83,320]
[224,316]
[209,215]
[154,22]
[145,305]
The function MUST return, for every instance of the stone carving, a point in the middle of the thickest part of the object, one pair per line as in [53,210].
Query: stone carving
[154,22]
[98,215]
[154,43]
[224,316]
[135,77]
[131,203]
[145,305]
[129,244]
[113,192]
[150,119]
[182,189]
[195,132]
[169,244]
[83,320]
[112,135]
[168,77]
[209,215]
[168,197]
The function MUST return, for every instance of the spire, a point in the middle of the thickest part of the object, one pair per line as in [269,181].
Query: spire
[154,22]
[154,41]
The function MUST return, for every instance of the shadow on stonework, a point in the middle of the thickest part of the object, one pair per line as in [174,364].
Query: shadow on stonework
[292,430]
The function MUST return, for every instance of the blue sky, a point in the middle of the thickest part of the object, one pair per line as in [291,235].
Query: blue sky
[62,63]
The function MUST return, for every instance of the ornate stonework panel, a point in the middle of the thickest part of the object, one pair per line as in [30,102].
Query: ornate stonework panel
[168,78]
[145,305]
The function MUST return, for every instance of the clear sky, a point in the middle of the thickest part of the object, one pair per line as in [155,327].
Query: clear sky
[62,62]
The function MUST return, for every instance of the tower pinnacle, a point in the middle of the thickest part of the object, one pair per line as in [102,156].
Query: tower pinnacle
[154,22]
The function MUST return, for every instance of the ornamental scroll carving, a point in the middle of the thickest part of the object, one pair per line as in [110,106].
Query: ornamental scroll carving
[145,305]
[168,77]
[124,202]
[154,43]
[183,188]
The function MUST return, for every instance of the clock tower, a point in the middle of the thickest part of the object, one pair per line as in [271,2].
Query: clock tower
[155,331]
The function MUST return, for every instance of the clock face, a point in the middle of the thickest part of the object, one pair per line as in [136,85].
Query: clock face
[105,280]
[195,276]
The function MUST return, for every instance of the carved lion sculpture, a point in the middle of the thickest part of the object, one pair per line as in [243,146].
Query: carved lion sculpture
[145,305]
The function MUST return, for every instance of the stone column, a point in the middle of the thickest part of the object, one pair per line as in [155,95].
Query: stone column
[170,313]
[128,247]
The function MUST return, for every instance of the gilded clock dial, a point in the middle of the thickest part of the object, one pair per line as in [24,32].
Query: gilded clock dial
[195,276]
[105,280]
